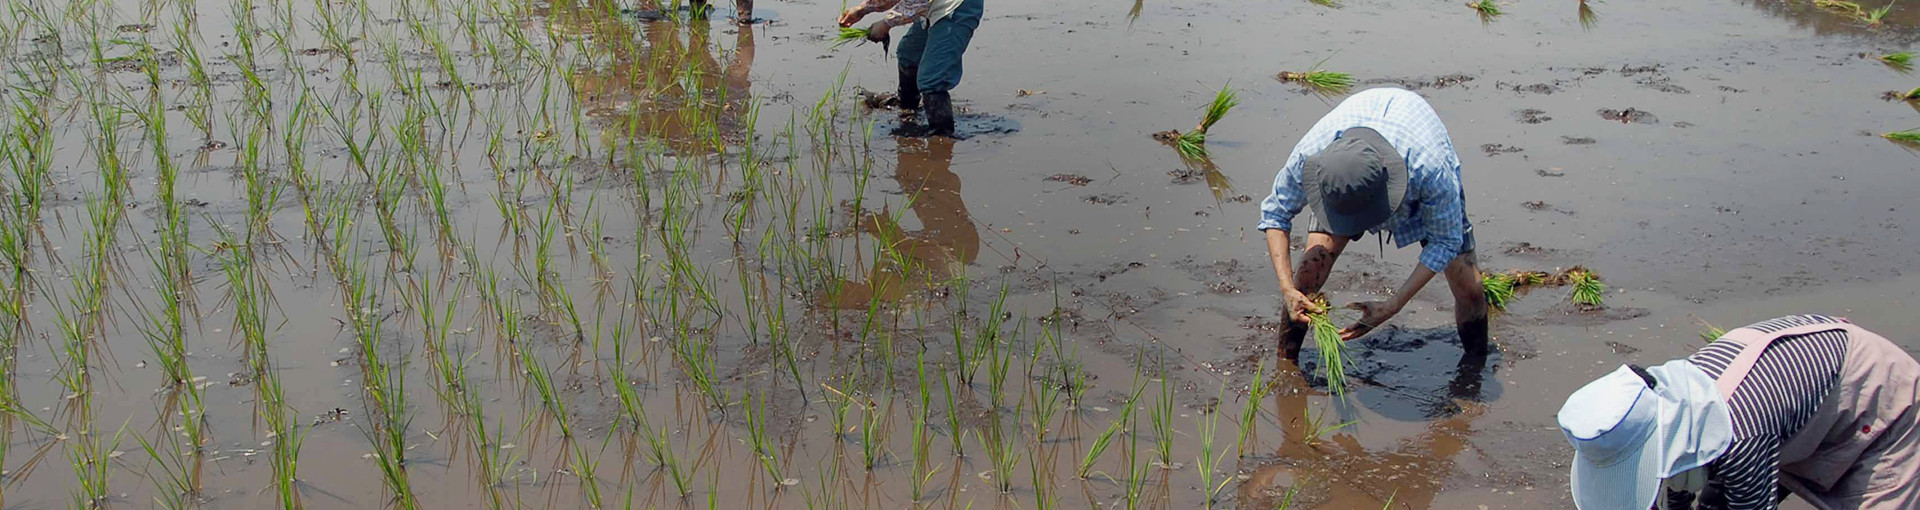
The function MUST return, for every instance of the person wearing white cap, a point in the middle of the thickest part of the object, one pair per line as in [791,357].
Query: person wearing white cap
[1809,405]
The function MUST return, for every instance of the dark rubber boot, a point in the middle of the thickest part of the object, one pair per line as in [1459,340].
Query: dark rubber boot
[940,114]
[909,88]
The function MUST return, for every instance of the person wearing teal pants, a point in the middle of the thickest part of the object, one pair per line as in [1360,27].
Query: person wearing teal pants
[930,54]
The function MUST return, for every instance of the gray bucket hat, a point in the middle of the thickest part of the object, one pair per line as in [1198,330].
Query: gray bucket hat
[1356,183]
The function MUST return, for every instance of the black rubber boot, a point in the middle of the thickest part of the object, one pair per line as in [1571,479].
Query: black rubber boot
[909,88]
[940,114]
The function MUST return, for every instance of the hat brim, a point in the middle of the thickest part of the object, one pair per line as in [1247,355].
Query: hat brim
[1630,484]
[1350,224]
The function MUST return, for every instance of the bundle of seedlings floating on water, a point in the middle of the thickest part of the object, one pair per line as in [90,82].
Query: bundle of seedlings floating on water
[1320,80]
[1333,350]
[1487,8]
[1499,289]
[1588,291]
[1874,17]
[1899,61]
[1193,144]
[1908,137]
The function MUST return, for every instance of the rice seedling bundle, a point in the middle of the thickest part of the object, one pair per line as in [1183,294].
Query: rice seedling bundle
[1499,289]
[1333,356]
[849,34]
[1320,80]
[1898,59]
[1587,288]
[1487,8]
[1223,102]
[1908,136]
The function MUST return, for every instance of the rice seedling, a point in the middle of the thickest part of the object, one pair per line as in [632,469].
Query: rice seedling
[1710,332]
[1487,9]
[1910,95]
[1256,397]
[1206,462]
[1223,102]
[1499,289]
[1320,81]
[1333,357]
[1588,290]
[1317,428]
[1162,417]
[1105,440]
[1588,17]
[1877,15]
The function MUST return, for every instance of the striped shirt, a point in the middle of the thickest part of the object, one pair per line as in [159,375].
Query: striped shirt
[1435,209]
[1784,390]
[905,11]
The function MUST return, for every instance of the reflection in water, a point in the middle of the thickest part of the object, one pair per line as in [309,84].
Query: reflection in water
[947,240]
[657,84]
[1898,24]
[1339,472]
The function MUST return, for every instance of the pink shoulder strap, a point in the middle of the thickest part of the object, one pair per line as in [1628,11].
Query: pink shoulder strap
[1756,344]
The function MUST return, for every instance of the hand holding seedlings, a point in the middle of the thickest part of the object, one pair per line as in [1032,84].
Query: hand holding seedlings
[1300,307]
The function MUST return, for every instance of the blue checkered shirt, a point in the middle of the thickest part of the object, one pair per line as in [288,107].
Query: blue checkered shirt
[1434,210]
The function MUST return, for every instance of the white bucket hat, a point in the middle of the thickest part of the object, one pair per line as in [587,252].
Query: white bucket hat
[1627,436]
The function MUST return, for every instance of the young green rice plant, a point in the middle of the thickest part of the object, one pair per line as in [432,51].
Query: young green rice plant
[1710,332]
[1206,462]
[1333,356]
[1487,9]
[1910,95]
[1318,428]
[1499,289]
[1105,440]
[1588,290]
[1901,61]
[1162,417]
[1256,397]
[1877,15]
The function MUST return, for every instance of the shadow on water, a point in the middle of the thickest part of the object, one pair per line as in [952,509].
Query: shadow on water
[948,239]
[1412,375]
[965,124]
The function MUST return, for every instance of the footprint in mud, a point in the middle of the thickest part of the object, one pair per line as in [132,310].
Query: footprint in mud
[1543,206]
[1414,374]
[1105,199]
[1533,116]
[1537,88]
[1629,116]
[1577,140]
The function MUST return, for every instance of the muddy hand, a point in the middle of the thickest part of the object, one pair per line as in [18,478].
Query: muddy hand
[1372,315]
[847,19]
[878,31]
[1298,305]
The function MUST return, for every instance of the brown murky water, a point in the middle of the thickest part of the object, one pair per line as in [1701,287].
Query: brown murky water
[599,254]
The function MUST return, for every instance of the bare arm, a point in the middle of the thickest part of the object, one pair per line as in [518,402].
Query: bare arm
[1280,250]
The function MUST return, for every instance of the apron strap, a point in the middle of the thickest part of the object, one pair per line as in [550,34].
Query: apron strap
[1756,343]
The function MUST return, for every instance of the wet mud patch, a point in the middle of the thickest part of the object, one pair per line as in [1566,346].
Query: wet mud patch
[1072,179]
[1226,277]
[966,124]
[1569,314]
[1532,88]
[1105,199]
[1495,149]
[1437,82]
[1629,116]
[1529,250]
[1410,374]
[1532,116]
[1577,140]
[1543,206]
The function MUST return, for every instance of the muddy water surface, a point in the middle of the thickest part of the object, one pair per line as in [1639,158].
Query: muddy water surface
[597,254]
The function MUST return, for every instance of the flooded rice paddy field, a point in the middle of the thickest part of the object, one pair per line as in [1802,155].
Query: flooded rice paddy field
[591,254]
